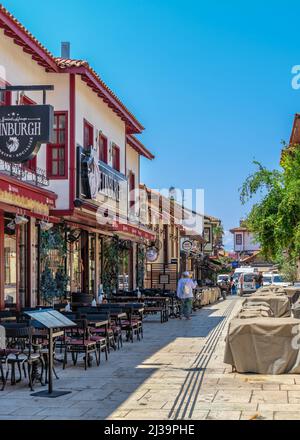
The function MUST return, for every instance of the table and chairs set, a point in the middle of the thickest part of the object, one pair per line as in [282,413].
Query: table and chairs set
[97,330]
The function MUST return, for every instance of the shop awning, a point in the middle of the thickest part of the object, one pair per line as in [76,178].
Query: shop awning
[25,196]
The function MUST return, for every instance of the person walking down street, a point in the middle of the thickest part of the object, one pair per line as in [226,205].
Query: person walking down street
[185,293]
[232,286]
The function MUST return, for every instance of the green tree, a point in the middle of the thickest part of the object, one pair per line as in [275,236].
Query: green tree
[275,218]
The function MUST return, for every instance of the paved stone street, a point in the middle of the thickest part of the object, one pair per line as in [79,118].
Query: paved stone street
[177,372]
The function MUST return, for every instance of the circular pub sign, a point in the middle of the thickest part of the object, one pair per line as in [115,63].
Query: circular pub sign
[152,255]
[23,128]
[187,245]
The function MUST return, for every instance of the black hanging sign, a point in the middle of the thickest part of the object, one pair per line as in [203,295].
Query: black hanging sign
[23,128]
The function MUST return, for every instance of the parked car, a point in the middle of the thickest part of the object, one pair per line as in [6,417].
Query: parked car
[267,279]
[247,283]
[222,278]
[275,279]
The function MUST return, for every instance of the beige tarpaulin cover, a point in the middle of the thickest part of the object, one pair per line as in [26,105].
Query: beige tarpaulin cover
[248,304]
[210,296]
[263,345]
[254,313]
[270,289]
[252,310]
[279,304]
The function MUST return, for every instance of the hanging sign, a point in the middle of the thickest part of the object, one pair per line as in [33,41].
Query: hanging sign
[152,255]
[23,128]
[187,245]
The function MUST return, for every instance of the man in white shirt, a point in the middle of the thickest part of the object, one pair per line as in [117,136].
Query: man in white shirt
[185,293]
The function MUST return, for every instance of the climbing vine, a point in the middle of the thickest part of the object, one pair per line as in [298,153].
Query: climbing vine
[53,253]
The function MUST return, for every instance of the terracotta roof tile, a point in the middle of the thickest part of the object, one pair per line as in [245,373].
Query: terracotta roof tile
[64,63]
[6,13]
[14,29]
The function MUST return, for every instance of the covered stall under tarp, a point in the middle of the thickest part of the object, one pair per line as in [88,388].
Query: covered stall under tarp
[210,296]
[252,311]
[279,304]
[263,345]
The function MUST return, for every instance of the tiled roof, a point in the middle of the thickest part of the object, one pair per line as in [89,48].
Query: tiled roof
[239,229]
[64,63]
[21,36]
[10,25]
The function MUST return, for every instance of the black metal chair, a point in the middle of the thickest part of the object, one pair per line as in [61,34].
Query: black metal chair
[21,351]
[79,342]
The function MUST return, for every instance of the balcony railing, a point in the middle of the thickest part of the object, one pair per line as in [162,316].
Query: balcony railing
[36,177]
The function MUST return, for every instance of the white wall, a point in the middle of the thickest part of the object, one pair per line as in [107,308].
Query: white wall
[90,107]
[248,243]
[133,165]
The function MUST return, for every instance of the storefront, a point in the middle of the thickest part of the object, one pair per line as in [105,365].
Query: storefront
[22,209]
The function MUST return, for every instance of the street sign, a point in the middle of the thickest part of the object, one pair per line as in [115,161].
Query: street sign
[235,264]
[187,245]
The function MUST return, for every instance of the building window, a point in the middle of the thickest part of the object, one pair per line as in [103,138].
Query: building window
[103,148]
[238,239]
[131,190]
[57,152]
[88,134]
[116,158]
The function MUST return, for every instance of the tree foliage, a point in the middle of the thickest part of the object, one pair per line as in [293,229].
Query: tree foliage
[275,218]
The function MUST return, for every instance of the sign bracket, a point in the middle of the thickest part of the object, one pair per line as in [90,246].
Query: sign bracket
[42,88]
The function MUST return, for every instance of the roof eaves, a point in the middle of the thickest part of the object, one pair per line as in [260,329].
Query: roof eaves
[14,29]
[139,147]
[83,68]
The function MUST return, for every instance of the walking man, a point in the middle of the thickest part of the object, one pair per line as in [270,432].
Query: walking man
[185,293]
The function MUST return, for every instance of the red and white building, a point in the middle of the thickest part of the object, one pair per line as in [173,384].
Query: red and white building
[244,241]
[90,123]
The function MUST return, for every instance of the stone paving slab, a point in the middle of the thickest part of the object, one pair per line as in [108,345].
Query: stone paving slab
[175,373]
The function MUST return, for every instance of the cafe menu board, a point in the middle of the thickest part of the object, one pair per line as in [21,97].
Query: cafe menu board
[51,319]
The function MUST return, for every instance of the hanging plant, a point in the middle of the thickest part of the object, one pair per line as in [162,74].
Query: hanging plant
[111,261]
[53,253]
[48,285]
[61,280]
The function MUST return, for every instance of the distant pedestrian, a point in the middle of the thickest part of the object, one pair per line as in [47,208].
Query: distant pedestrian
[185,294]
[232,286]
[259,281]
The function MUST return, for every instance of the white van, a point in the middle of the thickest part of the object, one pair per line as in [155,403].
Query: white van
[247,283]
[238,272]
[275,279]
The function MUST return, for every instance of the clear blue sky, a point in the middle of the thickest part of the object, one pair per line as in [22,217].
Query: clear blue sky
[211,81]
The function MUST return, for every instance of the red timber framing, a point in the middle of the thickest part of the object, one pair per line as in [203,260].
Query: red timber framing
[59,147]
[2,260]
[139,147]
[72,98]
[96,84]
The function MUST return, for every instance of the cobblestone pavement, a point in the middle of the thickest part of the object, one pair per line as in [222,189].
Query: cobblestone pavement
[176,372]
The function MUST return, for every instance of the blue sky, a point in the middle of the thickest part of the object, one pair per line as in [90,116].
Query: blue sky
[210,81]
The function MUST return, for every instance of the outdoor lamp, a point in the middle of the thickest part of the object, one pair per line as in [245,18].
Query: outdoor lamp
[11,225]
[21,220]
[45,226]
